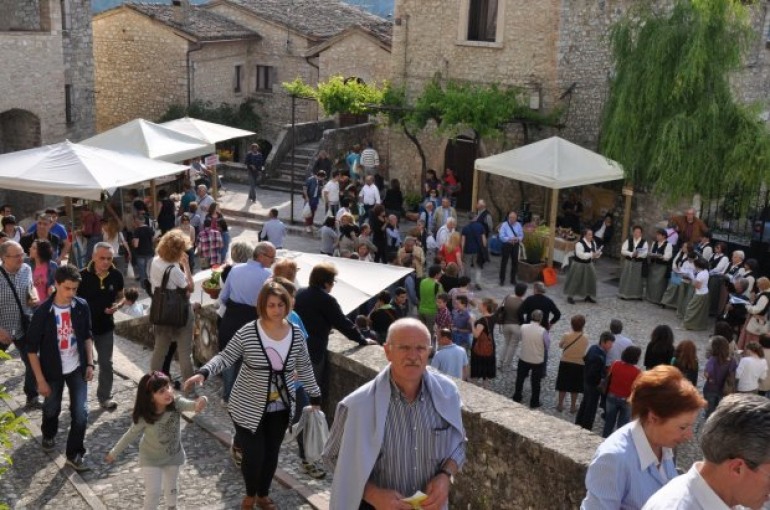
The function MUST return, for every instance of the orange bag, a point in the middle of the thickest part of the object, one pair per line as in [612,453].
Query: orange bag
[549,276]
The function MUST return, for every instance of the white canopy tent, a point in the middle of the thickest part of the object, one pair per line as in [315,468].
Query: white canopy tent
[206,131]
[554,163]
[77,171]
[357,281]
[150,140]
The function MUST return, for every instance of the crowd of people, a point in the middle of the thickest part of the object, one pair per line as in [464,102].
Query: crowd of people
[273,340]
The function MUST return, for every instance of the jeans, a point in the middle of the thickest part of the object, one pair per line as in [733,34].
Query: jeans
[587,411]
[253,176]
[155,478]
[229,375]
[712,398]
[164,335]
[522,372]
[30,386]
[78,391]
[103,344]
[618,414]
[510,251]
[225,245]
[142,262]
[260,451]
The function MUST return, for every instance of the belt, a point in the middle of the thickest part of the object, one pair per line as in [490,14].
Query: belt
[581,261]
[634,259]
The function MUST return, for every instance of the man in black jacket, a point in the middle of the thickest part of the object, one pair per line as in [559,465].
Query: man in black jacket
[593,374]
[539,301]
[320,312]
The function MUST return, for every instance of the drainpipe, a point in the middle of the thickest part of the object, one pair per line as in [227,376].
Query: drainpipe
[198,47]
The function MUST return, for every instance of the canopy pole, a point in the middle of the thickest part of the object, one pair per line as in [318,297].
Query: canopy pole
[552,225]
[153,197]
[214,181]
[70,210]
[628,192]
[475,191]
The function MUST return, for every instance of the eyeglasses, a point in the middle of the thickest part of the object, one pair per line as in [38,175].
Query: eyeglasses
[17,256]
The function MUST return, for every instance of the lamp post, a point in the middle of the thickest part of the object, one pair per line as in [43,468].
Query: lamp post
[293,146]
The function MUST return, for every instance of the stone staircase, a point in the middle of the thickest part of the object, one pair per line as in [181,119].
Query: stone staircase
[303,155]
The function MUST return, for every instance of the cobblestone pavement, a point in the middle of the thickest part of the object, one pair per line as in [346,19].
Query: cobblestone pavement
[209,479]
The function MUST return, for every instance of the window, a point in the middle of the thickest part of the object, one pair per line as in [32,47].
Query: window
[68,104]
[237,79]
[482,20]
[65,17]
[265,78]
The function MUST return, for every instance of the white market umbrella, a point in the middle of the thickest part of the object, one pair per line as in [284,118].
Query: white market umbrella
[150,140]
[78,171]
[209,132]
[357,281]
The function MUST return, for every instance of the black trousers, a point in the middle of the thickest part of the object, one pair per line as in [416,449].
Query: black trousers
[522,372]
[260,451]
[587,411]
[510,251]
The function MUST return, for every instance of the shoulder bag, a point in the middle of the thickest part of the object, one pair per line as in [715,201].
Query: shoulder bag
[24,316]
[170,307]
[484,346]
[572,343]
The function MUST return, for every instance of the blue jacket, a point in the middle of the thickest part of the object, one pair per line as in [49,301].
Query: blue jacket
[42,337]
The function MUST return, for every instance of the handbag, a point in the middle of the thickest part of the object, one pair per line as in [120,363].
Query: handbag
[757,325]
[483,346]
[24,316]
[170,307]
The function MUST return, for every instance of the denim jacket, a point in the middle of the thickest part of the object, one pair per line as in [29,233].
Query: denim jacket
[43,339]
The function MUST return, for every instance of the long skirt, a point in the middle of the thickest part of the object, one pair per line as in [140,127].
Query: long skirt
[631,281]
[570,377]
[656,283]
[581,280]
[696,317]
[685,296]
[483,367]
[670,298]
[715,288]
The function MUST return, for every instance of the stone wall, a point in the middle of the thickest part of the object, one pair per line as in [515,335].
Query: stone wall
[338,141]
[141,68]
[77,43]
[516,458]
[306,132]
[356,55]
[283,50]
[21,16]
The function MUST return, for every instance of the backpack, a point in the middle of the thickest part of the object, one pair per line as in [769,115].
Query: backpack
[484,346]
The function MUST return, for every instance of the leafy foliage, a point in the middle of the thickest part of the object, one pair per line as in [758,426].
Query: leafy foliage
[671,119]
[10,425]
[338,94]
[299,88]
[239,116]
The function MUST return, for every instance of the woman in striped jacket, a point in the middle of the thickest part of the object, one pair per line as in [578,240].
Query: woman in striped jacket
[262,400]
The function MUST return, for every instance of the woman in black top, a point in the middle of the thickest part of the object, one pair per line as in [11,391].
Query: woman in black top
[166,213]
[394,199]
[378,221]
[660,350]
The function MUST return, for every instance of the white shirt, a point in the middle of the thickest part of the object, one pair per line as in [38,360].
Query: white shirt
[721,267]
[370,194]
[599,234]
[618,346]
[332,192]
[686,492]
[580,251]
[641,251]
[750,371]
[68,345]
[703,278]
[443,235]
[176,279]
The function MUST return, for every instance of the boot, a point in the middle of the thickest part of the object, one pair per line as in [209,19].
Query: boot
[248,503]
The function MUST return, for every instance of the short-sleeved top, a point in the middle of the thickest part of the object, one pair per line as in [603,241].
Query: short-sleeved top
[144,235]
[332,188]
[100,294]
[450,360]
[66,338]
[472,233]
[176,279]
[622,378]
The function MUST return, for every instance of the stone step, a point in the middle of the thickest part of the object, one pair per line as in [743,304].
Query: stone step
[254,222]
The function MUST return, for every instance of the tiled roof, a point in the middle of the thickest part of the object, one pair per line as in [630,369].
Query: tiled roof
[319,19]
[199,23]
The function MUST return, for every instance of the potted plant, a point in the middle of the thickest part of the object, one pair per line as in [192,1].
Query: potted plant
[531,260]
[213,286]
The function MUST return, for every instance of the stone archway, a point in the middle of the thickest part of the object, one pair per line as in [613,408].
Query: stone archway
[19,130]
[459,155]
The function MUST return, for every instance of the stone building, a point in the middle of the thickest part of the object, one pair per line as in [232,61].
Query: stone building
[150,57]
[555,51]
[47,82]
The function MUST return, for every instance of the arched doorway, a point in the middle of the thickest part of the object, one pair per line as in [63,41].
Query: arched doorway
[460,155]
[19,130]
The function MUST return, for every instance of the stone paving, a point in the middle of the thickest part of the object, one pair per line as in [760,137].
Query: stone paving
[209,479]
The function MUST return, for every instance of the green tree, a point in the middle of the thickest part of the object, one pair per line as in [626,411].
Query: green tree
[240,116]
[10,425]
[671,119]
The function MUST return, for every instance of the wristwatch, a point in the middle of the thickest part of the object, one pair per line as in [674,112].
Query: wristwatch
[444,471]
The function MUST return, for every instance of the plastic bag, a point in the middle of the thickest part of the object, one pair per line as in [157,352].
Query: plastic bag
[306,211]
[130,271]
[315,433]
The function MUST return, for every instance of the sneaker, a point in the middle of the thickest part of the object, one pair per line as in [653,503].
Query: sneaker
[313,470]
[34,403]
[108,405]
[48,444]
[77,463]
[589,299]
[570,301]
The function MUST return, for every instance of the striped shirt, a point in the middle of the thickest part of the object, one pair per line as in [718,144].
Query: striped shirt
[414,447]
[249,398]
[10,317]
